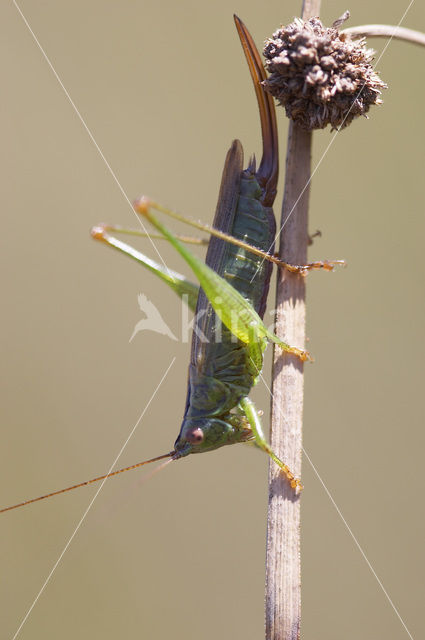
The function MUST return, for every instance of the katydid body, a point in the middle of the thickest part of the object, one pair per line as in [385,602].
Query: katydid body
[223,369]
[229,336]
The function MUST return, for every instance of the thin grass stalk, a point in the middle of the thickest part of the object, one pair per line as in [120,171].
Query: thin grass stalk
[283,562]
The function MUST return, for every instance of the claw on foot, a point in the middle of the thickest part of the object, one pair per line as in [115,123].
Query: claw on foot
[327,265]
[302,355]
[293,481]
[304,269]
[296,484]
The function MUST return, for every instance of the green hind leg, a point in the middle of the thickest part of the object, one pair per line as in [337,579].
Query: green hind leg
[252,416]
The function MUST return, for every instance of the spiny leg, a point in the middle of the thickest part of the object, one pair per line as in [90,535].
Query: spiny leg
[254,421]
[144,204]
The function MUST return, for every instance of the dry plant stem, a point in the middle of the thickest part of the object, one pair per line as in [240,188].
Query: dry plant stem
[283,566]
[283,574]
[386,31]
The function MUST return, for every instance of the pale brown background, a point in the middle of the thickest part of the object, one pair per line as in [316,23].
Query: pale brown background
[164,88]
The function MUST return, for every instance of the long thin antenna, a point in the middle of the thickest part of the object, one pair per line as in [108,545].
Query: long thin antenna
[83,484]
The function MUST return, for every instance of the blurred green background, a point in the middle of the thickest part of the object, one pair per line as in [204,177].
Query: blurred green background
[164,88]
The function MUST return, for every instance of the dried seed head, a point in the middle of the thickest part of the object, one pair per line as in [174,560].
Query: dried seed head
[320,76]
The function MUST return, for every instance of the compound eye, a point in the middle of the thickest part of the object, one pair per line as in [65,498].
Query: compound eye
[195,436]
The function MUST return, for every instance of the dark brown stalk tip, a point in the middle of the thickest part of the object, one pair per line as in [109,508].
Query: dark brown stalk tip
[320,75]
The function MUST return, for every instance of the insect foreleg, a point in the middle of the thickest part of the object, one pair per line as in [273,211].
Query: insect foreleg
[254,421]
